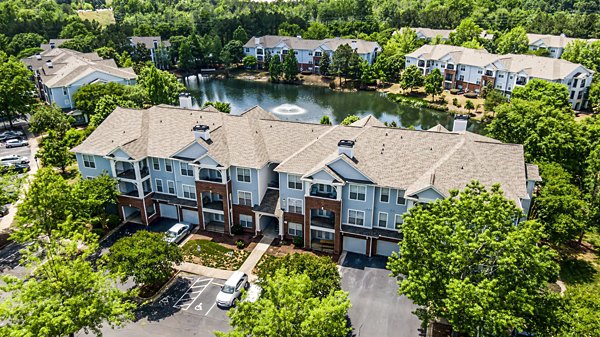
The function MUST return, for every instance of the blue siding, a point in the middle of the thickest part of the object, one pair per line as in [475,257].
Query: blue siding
[365,206]
[343,169]
[161,174]
[429,194]
[391,207]
[252,186]
[102,165]
[285,192]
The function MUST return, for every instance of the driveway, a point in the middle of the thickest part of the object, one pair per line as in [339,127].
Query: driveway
[377,309]
[186,308]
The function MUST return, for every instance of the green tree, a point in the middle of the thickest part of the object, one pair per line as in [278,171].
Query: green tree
[434,83]
[389,67]
[250,61]
[492,99]
[287,307]
[94,197]
[10,186]
[325,120]
[275,68]
[70,295]
[290,66]
[412,77]
[145,256]
[559,205]
[469,105]
[235,49]
[289,29]
[350,119]
[549,93]
[87,97]
[586,53]
[220,106]
[459,257]
[16,89]
[24,41]
[139,53]
[106,105]
[513,42]
[54,152]
[325,62]
[48,118]
[472,44]
[186,58]
[340,62]
[466,31]
[320,269]
[160,86]
[239,34]
[594,96]
[317,31]
[162,57]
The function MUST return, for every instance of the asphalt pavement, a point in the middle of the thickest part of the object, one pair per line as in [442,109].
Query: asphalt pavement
[377,309]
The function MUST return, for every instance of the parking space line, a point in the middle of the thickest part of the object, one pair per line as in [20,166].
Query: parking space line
[185,306]
[210,308]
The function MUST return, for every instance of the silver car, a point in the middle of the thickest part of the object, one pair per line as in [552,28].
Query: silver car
[13,159]
[177,232]
[232,289]
[16,143]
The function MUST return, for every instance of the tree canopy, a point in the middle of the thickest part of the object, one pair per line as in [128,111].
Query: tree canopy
[459,257]
[16,89]
[160,86]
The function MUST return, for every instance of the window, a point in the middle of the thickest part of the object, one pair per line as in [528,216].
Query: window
[170,187]
[358,192]
[246,221]
[294,229]
[284,52]
[572,94]
[382,219]
[88,161]
[385,195]
[450,67]
[356,218]
[186,170]
[168,165]
[582,84]
[295,205]
[150,210]
[399,220]
[462,68]
[318,53]
[480,71]
[477,82]
[294,182]
[400,200]
[580,95]
[321,235]
[243,175]
[155,164]
[310,53]
[189,191]
[159,185]
[244,198]
[247,50]
[510,77]
[259,51]
[575,83]
[65,91]
[461,77]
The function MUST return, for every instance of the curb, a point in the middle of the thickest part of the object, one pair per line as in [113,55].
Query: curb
[111,232]
[160,291]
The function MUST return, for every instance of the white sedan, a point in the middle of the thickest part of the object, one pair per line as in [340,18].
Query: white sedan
[16,143]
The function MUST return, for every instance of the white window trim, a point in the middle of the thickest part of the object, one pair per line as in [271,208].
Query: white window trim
[299,179]
[183,186]
[388,195]
[396,221]
[158,161]
[349,192]
[89,156]
[237,175]
[363,218]
[188,166]
[397,197]
[174,188]
[166,166]
[295,199]
[238,197]
[387,219]
[248,220]
[161,185]
[295,229]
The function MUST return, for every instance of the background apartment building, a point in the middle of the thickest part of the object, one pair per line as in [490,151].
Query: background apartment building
[471,69]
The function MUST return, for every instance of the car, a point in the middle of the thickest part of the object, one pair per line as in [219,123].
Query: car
[3,210]
[17,168]
[232,290]
[13,159]
[16,143]
[177,232]
[6,135]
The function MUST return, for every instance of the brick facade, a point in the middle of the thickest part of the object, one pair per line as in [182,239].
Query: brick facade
[221,189]
[291,217]
[141,205]
[334,206]
[247,210]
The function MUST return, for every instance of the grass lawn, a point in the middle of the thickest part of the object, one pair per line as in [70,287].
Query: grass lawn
[214,255]
[104,17]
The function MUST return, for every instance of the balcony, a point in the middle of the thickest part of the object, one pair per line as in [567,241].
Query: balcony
[212,201]
[127,174]
[521,80]
[210,175]
[323,191]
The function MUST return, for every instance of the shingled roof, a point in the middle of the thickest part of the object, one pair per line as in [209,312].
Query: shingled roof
[405,159]
[298,43]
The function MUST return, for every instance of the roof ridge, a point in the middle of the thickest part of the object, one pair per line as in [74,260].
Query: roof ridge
[307,145]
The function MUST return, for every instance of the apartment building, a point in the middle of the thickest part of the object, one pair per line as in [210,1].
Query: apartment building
[444,34]
[59,72]
[308,52]
[555,44]
[151,43]
[471,69]
[337,187]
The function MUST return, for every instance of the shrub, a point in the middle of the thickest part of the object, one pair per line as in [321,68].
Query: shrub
[471,95]
[240,244]
[237,229]
[332,85]
[454,91]
[455,102]
[113,221]
[298,241]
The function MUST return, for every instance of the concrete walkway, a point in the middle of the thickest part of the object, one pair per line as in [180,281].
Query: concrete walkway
[197,269]
[256,255]
[8,219]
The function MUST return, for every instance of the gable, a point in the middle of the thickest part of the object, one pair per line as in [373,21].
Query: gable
[191,152]
[97,76]
[119,153]
[323,176]
[429,194]
[347,171]
[208,161]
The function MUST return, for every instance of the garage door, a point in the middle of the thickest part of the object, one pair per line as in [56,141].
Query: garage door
[355,245]
[168,211]
[191,216]
[386,248]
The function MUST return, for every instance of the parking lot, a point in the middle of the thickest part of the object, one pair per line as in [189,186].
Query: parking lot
[186,308]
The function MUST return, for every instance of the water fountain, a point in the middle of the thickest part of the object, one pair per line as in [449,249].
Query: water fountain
[289,109]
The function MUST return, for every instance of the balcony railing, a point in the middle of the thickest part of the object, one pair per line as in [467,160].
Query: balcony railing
[133,193]
[314,192]
[144,171]
[216,205]
[213,179]
[322,221]
[128,174]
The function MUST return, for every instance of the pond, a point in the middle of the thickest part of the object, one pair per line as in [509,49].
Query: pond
[310,103]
